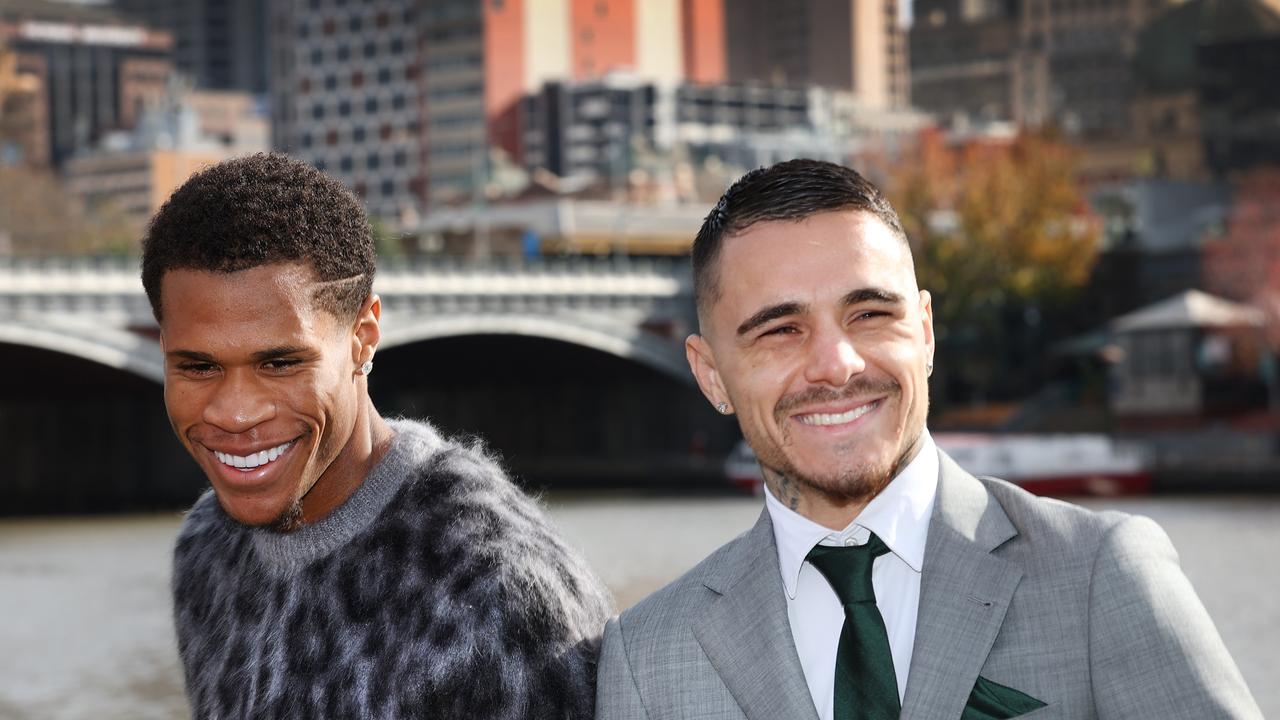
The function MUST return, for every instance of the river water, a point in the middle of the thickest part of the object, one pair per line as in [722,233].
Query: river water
[84,607]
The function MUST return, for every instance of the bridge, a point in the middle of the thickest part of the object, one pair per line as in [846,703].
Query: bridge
[637,309]
[572,367]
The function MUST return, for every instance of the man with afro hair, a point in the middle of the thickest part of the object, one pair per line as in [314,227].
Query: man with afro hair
[342,565]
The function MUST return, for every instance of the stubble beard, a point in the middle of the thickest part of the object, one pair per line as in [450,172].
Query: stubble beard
[289,519]
[856,483]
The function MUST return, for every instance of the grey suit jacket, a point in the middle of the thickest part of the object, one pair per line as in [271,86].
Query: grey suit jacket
[1087,612]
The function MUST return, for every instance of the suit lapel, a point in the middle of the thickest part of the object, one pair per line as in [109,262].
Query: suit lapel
[745,632]
[964,594]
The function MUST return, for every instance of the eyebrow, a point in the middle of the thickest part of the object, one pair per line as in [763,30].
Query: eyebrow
[855,297]
[278,352]
[773,312]
[191,355]
[862,295]
[261,355]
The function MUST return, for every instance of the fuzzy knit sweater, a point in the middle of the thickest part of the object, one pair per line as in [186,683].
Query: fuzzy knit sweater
[437,590]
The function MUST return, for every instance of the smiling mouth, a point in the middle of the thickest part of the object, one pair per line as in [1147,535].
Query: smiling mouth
[826,419]
[254,460]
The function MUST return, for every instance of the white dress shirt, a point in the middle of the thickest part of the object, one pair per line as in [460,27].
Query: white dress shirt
[900,517]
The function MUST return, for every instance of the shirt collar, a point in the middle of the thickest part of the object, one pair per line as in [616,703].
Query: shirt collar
[899,515]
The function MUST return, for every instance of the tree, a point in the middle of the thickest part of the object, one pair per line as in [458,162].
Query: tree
[1003,239]
[38,217]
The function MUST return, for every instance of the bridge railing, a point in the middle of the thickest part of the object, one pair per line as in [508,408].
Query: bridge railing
[430,275]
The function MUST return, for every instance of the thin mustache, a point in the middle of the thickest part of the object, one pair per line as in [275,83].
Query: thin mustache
[858,387]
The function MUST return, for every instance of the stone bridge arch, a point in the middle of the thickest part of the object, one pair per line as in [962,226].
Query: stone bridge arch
[113,347]
[629,343]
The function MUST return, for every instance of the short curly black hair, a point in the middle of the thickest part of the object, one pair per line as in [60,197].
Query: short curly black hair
[261,209]
[789,190]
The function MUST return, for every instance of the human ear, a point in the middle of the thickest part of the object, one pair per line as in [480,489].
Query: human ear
[702,361]
[926,318]
[366,331]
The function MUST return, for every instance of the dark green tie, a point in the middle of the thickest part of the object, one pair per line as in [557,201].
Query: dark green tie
[866,686]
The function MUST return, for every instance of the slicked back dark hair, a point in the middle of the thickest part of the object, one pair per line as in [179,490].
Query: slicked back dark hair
[258,210]
[789,190]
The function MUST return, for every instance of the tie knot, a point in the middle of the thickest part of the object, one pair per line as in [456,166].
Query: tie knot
[848,568]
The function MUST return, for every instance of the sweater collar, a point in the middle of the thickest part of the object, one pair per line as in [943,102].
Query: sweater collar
[286,552]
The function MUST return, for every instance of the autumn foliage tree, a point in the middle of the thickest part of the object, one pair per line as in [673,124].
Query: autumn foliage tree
[1004,240]
[39,217]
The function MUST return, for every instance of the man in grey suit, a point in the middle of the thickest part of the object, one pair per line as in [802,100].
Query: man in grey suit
[882,580]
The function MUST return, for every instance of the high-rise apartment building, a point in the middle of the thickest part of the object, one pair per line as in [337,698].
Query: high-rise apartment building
[531,42]
[1078,60]
[404,100]
[348,95]
[853,45]
[94,70]
[220,44]
[1034,62]
[964,58]
[603,130]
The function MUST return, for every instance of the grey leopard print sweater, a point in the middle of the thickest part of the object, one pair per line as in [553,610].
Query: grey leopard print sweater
[438,590]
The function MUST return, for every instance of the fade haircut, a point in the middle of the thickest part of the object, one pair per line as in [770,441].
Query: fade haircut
[790,190]
[262,209]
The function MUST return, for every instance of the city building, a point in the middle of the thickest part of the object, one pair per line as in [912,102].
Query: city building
[1080,63]
[1188,360]
[563,225]
[964,59]
[348,96]
[403,100]
[1202,108]
[95,70]
[854,45]
[608,128]
[220,44]
[1155,231]
[1032,62]
[135,172]
[23,131]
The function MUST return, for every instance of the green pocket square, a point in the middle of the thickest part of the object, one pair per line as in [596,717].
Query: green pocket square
[993,701]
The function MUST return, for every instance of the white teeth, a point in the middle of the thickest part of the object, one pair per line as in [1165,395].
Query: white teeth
[842,418]
[257,459]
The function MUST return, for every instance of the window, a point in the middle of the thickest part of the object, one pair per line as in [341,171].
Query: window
[345,163]
[388,188]
[317,112]
[373,162]
[371,105]
[357,135]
